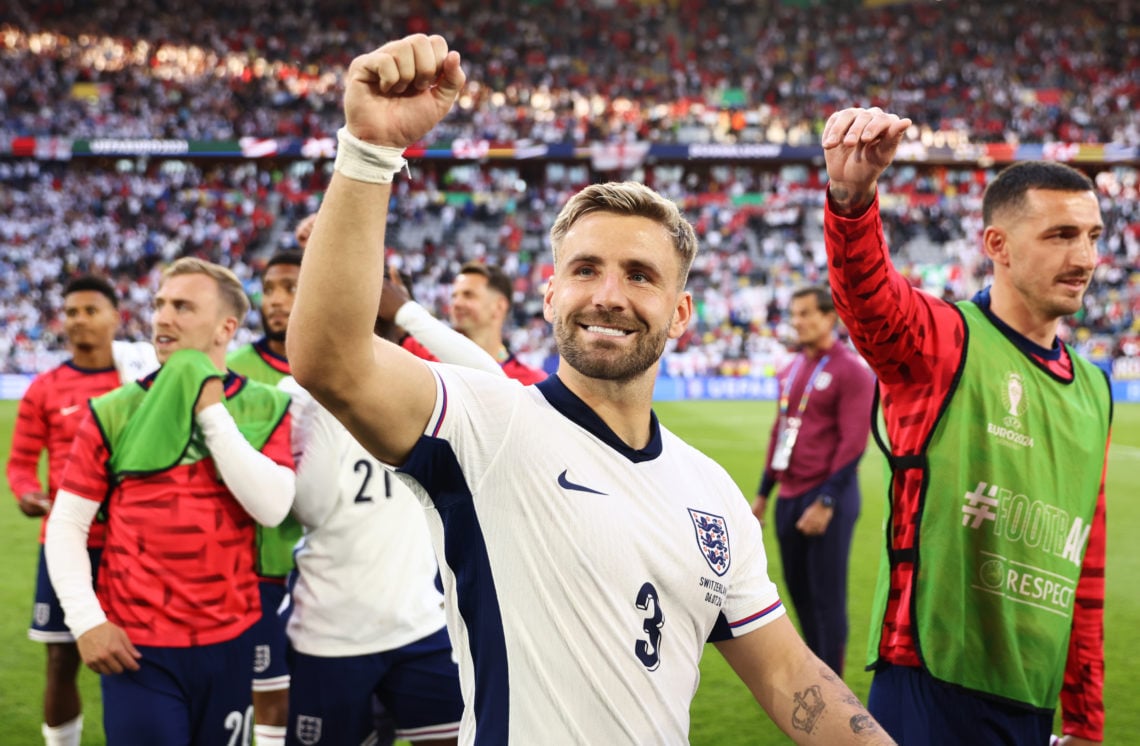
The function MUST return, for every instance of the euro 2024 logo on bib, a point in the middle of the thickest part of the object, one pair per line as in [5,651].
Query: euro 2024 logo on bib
[1013,396]
[1014,400]
[712,538]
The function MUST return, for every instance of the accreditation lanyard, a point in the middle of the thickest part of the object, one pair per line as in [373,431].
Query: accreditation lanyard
[786,390]
[789,427]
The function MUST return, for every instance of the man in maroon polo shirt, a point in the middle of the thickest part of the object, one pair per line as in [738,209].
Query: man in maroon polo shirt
[819,435]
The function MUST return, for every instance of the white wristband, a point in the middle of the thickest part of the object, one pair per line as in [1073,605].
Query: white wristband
[362,161]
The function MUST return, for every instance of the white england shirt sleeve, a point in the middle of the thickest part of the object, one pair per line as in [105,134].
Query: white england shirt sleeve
[319,467]
[479,425]
[133,360]
[302,407]
[444,342]
[753,599]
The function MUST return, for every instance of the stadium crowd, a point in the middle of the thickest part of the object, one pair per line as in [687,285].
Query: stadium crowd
[547,72]
[550,71]
[559,72]
[57,221]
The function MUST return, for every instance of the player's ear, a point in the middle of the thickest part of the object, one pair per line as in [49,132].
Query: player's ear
[547,299]
[226,330]
[681,315]
[995,244]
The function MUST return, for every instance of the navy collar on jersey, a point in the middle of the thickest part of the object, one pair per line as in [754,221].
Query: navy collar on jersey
[982,300]
[71,364]
[272,359]
[577,411]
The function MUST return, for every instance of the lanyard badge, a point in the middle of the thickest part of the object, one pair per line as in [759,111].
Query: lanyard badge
[789,430]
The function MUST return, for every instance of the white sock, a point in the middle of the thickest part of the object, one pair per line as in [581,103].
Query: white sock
[64,735]
[269,735]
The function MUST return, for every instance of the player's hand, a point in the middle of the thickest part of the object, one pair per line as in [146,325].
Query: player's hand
[858,145]
[393,296]
[304,229]
[35,504]
[394,95]
[107,649]
[759,508]
[1077,741]
[212,393]
[815,519]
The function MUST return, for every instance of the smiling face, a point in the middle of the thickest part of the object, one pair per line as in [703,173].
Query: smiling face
[189,315]
[476,306]
[615,296]
[1045,252]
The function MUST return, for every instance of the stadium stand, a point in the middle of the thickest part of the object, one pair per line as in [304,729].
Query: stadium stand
[589,87]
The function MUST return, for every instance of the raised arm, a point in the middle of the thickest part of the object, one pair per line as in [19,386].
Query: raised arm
[384,396]
[858,145]
[902,332]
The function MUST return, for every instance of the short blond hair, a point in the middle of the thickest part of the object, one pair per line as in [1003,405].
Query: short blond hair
[229,286]
[634,199]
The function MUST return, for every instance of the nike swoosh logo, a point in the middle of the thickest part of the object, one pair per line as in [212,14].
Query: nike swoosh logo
[70,410]
[566,484]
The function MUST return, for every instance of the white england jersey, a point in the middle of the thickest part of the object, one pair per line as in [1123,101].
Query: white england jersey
[366,570]
[583,577]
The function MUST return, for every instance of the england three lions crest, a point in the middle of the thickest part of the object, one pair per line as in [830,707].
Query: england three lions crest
[712,538]
[308,729]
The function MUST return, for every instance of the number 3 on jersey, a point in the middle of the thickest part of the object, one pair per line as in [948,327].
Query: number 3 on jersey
[649,651]
[365,466]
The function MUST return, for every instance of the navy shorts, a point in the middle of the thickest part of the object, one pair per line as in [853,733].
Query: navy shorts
[270,669]
[915,708]
[418,685]
[198,696]
[47,614]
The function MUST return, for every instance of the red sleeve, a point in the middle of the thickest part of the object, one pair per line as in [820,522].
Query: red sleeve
[524,374]
[1082,696]
[29,440]
[913,341]
[86,471]
[410,344]
[905,335]
[279,447]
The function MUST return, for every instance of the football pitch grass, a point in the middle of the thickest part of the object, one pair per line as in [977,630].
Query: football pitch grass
[723,712]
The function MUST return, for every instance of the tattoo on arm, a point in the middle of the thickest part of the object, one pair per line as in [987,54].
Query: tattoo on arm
[863,723]
[809,706]
[848,202]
